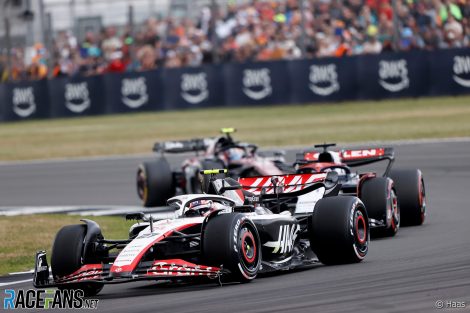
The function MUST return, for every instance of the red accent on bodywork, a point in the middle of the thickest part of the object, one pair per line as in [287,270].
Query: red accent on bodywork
[241,195]
[289,183]
[135,262]
[311,156]
[86,272]
[178,267]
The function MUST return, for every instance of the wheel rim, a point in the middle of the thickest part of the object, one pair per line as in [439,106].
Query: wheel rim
[142,189]
[248,247]
[361,233]
[395,211]
[361,228]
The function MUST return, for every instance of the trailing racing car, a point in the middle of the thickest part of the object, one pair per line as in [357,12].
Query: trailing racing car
[394,198]
[156,182]
[228,234]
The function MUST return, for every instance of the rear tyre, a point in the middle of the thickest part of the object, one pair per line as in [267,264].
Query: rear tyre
[231,240]
[380,200]
[66,257]
[339,230]
[155,182]
[411,194]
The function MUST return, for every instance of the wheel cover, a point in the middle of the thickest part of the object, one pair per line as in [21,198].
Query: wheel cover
[361,230]
[248,251]
[248,247]
[361,234]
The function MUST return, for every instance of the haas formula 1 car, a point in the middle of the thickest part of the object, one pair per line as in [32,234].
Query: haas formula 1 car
[229,234]
[156,182]
[398,196]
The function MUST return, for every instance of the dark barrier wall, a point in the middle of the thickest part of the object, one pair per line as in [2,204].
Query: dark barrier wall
[256,83]
[414,74]
[449,72]
[134,92]
[193,87]
[323,80]
[392,75]
[77,96]
[25,100]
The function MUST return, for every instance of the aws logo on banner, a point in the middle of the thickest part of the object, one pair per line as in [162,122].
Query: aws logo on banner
[134,92]
[462,68]
[194,87]
[323,79]
[393,75]
[257,83]
[77,97]
[23,100]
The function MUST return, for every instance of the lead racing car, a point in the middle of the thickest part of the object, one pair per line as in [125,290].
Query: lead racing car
[225,234]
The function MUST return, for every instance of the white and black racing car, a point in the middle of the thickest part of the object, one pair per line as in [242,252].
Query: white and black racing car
[227,234]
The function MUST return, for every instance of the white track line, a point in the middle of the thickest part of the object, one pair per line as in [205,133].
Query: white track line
[31,271]
[15,211]
[16,282]
[91,210]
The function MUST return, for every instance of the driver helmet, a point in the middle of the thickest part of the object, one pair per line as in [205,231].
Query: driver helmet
[235,154]
[200,208]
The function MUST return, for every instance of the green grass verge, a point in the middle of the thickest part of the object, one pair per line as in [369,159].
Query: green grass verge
[23,235]
[266,126]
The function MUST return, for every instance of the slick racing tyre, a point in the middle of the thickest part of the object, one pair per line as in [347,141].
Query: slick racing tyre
[66,257]
[339,230]
[155,182]
[231,240]
[379,197]
[411,193]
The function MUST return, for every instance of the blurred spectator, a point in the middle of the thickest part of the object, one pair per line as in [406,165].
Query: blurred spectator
[256,31]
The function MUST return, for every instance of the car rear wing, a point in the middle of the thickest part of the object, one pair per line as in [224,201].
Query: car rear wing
[353,157]
[359,157]
[283,185]
[181,146]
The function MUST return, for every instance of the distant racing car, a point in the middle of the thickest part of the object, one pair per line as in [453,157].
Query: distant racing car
[156,181]
[227,234]
[394,198]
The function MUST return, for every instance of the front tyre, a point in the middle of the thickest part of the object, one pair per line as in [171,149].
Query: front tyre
[411,194]
[67,258]
[339,230]
[232,240]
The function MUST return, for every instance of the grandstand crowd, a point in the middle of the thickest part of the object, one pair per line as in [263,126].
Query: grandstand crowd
[259,31]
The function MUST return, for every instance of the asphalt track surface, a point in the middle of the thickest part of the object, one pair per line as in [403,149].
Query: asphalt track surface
[408,273]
